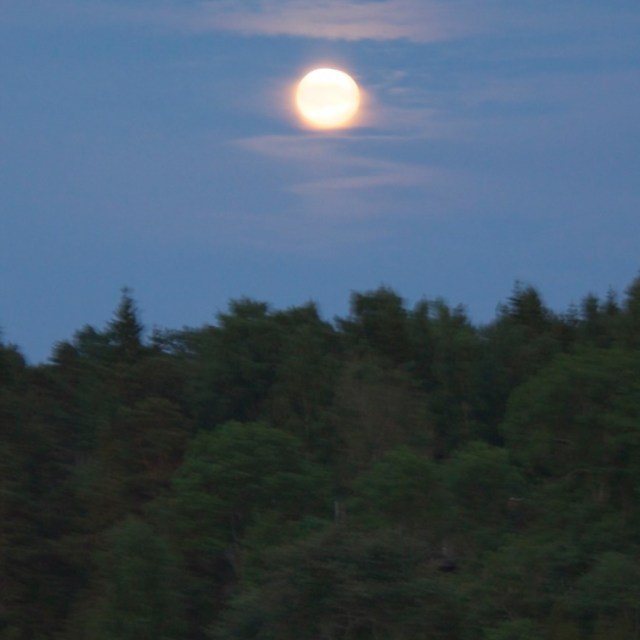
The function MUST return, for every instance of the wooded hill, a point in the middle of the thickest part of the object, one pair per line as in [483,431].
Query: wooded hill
[399,474]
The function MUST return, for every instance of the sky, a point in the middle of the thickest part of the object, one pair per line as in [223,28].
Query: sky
[154,144]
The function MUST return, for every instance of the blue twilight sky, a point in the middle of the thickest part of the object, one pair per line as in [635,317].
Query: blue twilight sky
[154,144]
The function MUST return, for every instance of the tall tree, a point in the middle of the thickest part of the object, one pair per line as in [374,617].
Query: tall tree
[631,315]
[343,585]
[141,583]
[401,490]
[482,485]
[378,321]
[124,331]
[235,364]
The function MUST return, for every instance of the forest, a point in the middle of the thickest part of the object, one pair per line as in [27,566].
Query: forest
[397,474]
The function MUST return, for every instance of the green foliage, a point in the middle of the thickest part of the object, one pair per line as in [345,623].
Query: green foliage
[614,628]
[611,586]
[257,364]
[124,332]
[235,471]
[12,365]
[156,434]
[379,322]
[35,505]
[143,596]
[400,490]
[307,372]
[401,474]
[598,322]
[518,629]
[375,411]
[527,310]
[577,422]
[565,630]
[484,486]
[454,400]
[235,366]
[343,585]
[517,580]
[525,337]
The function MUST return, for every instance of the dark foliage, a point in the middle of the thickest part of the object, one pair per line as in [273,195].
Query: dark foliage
[399,474]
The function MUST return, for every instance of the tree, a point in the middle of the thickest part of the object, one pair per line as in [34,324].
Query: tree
[36,504]
[526,309]
[233,472]
[306,374]
[235,364]
[375,410]
[142,597]
[597,325]
[522,579]
[614,628]
[518,629]
[402,475]
[524,338]
[402,489]
[577,422]
[378,321]
[343,585]
[235,480]
[561,625]
[124,332]
[454,399]
[609,593]
[631,316]
[482,482]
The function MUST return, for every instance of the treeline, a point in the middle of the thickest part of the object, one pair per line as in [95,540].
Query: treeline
[398,474]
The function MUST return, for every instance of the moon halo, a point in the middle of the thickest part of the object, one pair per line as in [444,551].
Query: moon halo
[327,98]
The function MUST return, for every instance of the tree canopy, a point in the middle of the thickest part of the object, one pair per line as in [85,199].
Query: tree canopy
[399,473]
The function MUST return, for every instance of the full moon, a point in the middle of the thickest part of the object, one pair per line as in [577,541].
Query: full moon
[328,98]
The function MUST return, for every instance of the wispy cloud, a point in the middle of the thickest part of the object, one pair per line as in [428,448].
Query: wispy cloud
[335,165]
[418,21]
[336,179]
[414,20]
[386,175]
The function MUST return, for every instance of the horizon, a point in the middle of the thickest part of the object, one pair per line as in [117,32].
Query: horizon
[157,145]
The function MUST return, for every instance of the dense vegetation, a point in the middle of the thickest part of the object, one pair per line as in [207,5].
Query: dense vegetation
[399,474]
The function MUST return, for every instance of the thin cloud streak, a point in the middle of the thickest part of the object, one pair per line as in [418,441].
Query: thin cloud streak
[414,20]
[390,176]
[325,170]
[418,21]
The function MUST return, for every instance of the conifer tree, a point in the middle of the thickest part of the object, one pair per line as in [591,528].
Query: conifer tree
[125,330]
[142,584]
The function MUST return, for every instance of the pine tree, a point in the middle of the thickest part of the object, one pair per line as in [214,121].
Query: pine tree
[125,330]
[142,585]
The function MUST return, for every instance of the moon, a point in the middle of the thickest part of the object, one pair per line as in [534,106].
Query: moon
[327,98]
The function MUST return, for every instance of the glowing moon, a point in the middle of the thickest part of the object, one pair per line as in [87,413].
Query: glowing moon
[328,98]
